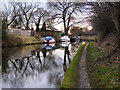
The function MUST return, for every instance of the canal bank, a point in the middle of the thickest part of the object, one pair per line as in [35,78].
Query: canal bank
[72,74]
[103,73]
[12,41]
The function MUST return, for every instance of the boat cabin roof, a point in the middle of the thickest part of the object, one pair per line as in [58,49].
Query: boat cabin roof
[48,37]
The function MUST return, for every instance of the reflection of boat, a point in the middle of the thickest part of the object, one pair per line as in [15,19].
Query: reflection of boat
[49,40]
[49,46]
[65,38]
[65,44]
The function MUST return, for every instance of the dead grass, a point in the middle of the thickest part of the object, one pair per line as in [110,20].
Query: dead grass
[29,39]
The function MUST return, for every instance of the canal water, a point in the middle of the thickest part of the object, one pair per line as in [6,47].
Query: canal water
[36,66]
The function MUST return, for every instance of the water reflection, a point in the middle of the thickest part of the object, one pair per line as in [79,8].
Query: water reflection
[36,66]
[49,46]
[67,53]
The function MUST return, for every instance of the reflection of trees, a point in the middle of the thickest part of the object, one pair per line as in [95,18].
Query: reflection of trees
[27,66]
[44,55]
[28,63]
[5,65]
[57,78]
[51,57]
[33,52]
[44,52]
[73,47]
[18,69]
[39,59]
[67,53]
[38,56]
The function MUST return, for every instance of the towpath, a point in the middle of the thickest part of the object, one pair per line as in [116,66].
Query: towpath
[84,80]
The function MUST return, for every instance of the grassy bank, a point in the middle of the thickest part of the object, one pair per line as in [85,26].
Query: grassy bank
[29,40]
[11,41]
[102,74]
[72,75]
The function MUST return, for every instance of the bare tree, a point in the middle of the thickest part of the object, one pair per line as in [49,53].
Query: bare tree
[10,13]
[40,15]
[115,16]
[65,12]
[107,17]
[27,11]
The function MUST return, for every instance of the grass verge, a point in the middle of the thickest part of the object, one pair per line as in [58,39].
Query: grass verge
[72,76]
[101,75]
[29,39]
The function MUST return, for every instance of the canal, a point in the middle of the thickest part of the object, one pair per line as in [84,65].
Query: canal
[36,66]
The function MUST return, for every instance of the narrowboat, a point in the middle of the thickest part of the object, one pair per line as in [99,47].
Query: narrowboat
[49,40]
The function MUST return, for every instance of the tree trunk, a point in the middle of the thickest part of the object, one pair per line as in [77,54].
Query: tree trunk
[118,34]
[5,25]
[43,27]
[27,25]
[115,18]
[66,31]
[65,28]
[37,25]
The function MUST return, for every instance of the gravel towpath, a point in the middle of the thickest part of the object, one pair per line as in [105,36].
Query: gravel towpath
[84,80]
